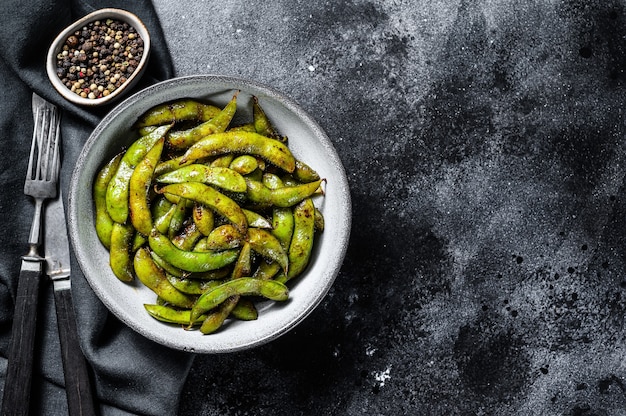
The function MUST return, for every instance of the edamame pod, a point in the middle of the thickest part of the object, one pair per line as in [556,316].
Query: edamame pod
[319,220]
[222,161]
[153,277]
[266,270]
[244,286]
[262,123]
[282,225]
[243,127]
[216,317]
[169,269]
[243,142]
[224,237]
[139,186]
[188,237]
[179,110]
[171,315]
[192,286]
[204,218]
[304,173]
[191,261]
[243,265]
[178,217]
[272,181]
[120,258]
[286,196]
[118,187]
[104,223]
[244,164]
[169,165]
[178,140]
[302,241]
[256,220]
[245,310]
[162,221]
[160,206]
[204,194]
[224,178]
[268,246]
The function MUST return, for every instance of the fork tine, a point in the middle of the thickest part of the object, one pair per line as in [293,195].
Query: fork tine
[50,151]
[33,147]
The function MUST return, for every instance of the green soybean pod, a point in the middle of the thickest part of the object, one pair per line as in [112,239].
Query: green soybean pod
[225,178]
[204,194]
[301,244]
[118,187]
[224,237]
[245,310]
[104,223]
[222,161]
[243,127]
[120,258]
[243,265]
[320,223]
[169,269]
[139,187]
[245,286]
[268,246]
[262,123]
[175,111]
[169,165]
[171,315]
[244,164]
[215,318]
[162,220]
[282,225]
[160,206]
[244,143]
[191,261]
[272,181]
[179,140]
[178,217]
[266,270]
[286,196]
[153,277]
[187,238]
[304,173]
[204,218]
[256,220]
[192,286]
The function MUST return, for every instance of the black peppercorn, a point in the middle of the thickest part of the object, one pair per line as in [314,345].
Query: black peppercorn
[95,59]
[72,41]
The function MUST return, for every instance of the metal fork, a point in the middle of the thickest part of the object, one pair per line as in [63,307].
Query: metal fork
[41,184]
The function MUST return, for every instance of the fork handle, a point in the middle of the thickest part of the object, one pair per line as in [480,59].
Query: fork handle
[16,397]
[80,400]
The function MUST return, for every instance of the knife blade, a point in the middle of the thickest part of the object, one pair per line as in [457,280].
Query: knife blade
[80,400]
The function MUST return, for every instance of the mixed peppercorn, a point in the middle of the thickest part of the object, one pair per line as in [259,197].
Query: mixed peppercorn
[98,58]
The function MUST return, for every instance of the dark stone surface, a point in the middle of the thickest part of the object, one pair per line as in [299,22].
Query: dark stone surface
[484,145]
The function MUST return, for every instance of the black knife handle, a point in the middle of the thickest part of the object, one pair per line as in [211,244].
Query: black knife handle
[16,397]
[80,399]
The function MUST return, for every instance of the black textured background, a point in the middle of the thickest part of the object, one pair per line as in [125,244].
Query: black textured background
[484,145]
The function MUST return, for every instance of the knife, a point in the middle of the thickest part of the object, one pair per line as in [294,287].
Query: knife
[80,400]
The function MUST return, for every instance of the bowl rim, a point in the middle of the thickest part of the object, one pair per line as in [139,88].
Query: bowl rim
[344,206]
[57,44]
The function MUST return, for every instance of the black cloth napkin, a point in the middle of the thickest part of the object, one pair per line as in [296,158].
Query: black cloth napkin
[132,375]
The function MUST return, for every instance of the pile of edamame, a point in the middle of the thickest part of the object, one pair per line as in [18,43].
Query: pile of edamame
[208,215]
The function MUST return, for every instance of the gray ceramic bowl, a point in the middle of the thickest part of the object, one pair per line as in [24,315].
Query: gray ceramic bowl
[308,143]
[59,41]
